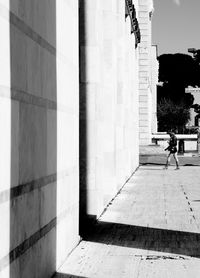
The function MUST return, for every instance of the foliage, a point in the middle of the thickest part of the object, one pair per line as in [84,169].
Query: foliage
[177,72]
[172,115]
[179,69]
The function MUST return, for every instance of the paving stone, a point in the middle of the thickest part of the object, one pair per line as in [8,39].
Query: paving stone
[150,230]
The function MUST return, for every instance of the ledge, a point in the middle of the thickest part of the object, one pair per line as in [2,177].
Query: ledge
[130,11]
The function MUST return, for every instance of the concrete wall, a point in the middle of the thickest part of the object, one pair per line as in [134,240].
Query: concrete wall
[39,120]
[109,103]
[39,114]
[145,90]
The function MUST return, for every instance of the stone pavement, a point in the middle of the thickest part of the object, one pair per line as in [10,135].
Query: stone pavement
[150,230]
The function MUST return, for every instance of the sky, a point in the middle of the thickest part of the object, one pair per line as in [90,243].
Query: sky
[176,25]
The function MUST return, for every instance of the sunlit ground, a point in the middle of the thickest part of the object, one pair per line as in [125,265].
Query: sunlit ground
[151,229]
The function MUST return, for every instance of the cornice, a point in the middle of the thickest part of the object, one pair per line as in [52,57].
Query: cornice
[131,12]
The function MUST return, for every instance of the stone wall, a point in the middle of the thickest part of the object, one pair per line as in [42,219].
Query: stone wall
[40,140]
[109,103]
[145,90]
[154,82]
[39,114]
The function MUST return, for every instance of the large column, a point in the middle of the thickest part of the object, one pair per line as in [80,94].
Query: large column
[5,140]
[67,40]
[39,139]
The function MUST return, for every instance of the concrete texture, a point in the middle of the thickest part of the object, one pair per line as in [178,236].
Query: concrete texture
[109,144]
[40,116]
[151,229]
[39,164]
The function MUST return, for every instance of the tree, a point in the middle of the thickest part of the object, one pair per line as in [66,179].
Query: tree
[177,72]
[172,115]
[196,106]
[196,110]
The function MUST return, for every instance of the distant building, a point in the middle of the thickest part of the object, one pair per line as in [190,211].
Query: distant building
[194,121]
[154,82]
[147,79]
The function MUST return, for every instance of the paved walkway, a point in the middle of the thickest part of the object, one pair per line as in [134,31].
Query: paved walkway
[150,230]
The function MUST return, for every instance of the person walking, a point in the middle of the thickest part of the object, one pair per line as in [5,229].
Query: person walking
[172,148]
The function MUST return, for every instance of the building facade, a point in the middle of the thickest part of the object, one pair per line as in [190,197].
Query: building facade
[108,101]
[69,115]
[147,85]
[194,119]
[154,81]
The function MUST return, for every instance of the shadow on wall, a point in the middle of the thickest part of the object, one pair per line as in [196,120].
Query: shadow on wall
[84,218]
[34,142]
[82,120]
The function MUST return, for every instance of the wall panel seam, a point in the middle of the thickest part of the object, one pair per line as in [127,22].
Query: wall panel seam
[33,239]
[33,35]
[21,96]
[25,188]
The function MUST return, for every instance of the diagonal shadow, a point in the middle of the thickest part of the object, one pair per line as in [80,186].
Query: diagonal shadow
[63,275]
[160,240]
